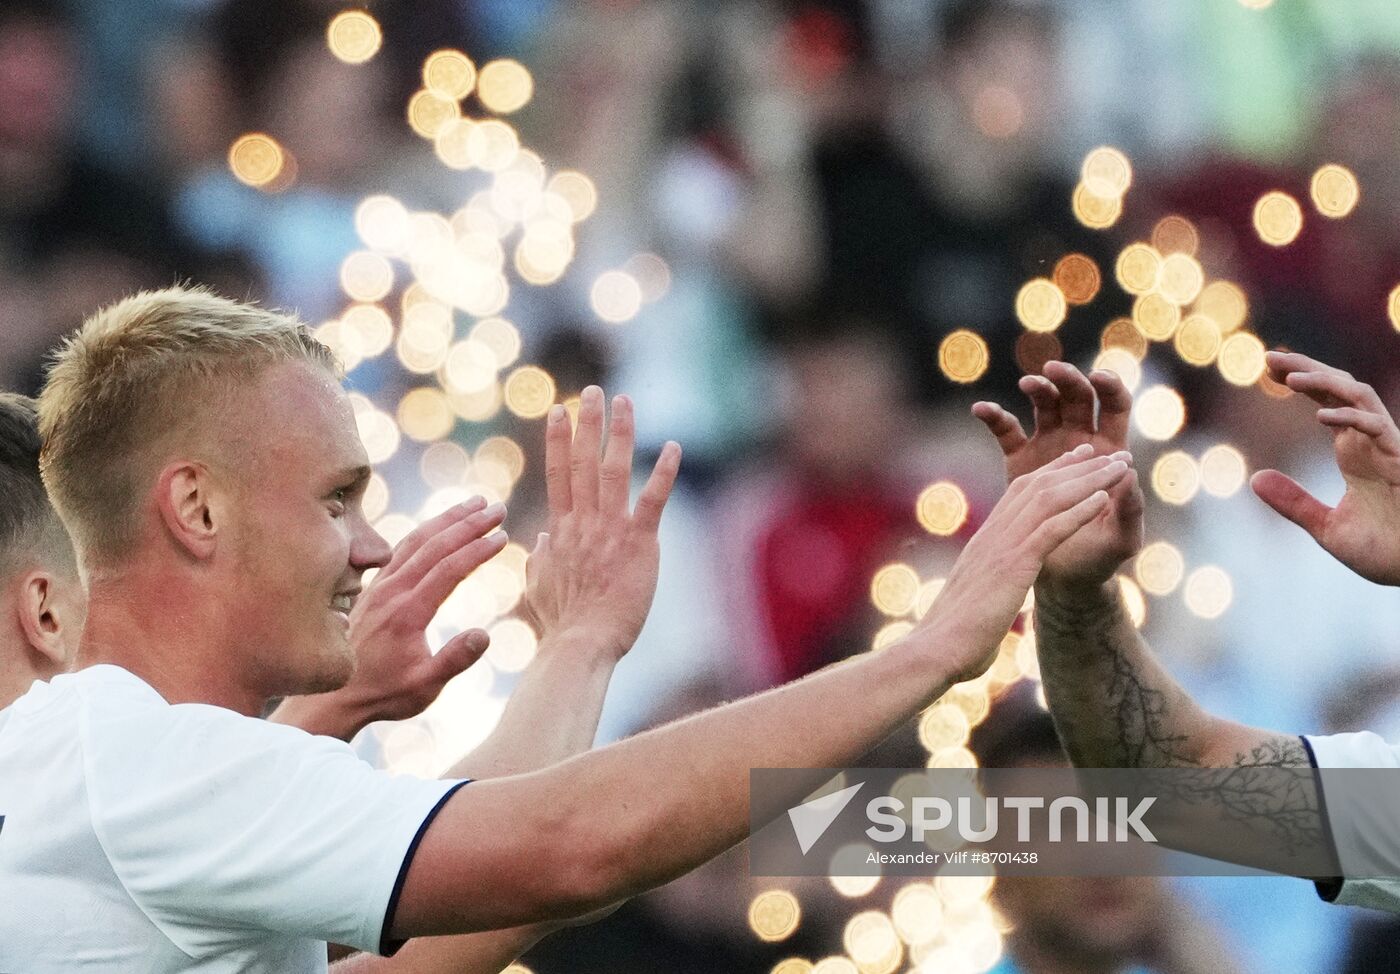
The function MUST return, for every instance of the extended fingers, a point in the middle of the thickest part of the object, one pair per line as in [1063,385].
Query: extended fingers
[416,538]
[615,475]
[558,447]
[1004,426]
[651,502]
[1375,425]
[1287,496]
[1046,400]
[445,542]
[1076,396]
[429,594]
[1328,389]
[1282,364]
[588,443]
[1115,405]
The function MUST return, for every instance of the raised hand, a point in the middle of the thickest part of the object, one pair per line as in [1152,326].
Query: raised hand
[1072,410]
[592,575]
[1363,530]
[989,582]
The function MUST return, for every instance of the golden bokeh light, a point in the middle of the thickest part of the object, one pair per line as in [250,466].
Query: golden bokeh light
[504,86]
[942,508]
[425,415]
[1040,305]
[652,274]
[1159,567]
[470,367]
[1078,277]
[774,915]
[1106,172]
[1208,592]
[529,392]
[256,159]
[1176,477]
[917,912]
[793,965]
[427,327]
[835,965]
[953,757]
[1223,470]
[1095,212]
[343,342]
[1133,600]
[577,190]
[382,223]
[943,725]
[894,589]
[453,143]
[1034,348]
[1138,268]
[848,873]
[478,407]
[1278,219]
[1122,333]
[1393,307]
[505,451]
[1156,317]
[1198,340]
[1121,363]
[1160,413]
[1175,235]
[616,297]
[1225,303]
[1335,191]
[963,356]
[366,276]
[449,73]
[492,145]
[429,113]
[870,940]
[1181,279]
[1241,360]
[444,464]
[500,337]
[354,36]
[513,645]
[379,433]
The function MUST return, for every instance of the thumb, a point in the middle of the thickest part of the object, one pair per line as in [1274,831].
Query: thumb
[460,652]
[1285,495]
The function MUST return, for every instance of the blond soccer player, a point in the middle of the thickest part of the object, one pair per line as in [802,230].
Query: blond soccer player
[151,822]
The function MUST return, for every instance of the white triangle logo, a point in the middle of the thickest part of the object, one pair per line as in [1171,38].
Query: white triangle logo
[810,820]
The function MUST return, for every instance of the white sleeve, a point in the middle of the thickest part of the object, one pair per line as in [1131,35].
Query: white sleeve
[1365,831]
[226,830]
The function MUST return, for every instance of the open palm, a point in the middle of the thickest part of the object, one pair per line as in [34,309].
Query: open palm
[1363,530]
[1070,410]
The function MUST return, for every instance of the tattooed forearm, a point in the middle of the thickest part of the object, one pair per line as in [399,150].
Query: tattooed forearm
[1113,704]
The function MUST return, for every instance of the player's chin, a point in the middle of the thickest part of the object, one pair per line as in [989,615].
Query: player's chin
[334,664]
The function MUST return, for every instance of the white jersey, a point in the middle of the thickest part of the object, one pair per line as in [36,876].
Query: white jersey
[141,837]
[1365,831]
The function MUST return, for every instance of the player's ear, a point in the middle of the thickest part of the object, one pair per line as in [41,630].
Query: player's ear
[186,504]
[51,612]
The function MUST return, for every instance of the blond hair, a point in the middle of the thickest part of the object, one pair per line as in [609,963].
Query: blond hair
[128,381]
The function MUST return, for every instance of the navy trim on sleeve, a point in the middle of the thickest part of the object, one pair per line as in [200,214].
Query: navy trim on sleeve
[387,946]
[1330,888]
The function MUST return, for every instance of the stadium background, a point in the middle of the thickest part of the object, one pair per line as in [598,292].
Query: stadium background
[804,236]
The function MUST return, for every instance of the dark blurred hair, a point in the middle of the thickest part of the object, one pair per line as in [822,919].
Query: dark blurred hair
[26,517]
[1017,731]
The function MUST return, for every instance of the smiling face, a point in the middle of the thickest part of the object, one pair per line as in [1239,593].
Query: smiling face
[298,538]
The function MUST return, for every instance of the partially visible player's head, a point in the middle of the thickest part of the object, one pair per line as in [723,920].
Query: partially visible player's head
[42,602]
[200,446]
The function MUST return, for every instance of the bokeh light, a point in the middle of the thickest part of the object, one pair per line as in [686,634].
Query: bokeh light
[1223,470]
[1241,360]
[1035,348]
[430,113]
[354,36]
[256,159]
[1077,276]
[894,589]
[1224,302]
[1123,333]
[1175,235]
[529,392]
[1159,413]
[1138,268]
[1198,340]
[616,296]
[774,915]
[1335,191]
[1278,219]
[1156,317]
[1176,477]
[1180,279]
[366,276]
[449,73]
[1095,212]
[1106,172]
[504,86]
[942,508]
[1040,305]
[425,415]
[1208,592]
[1159,567]
[963,356]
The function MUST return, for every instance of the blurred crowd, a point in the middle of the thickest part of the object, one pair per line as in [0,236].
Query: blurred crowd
[831,188]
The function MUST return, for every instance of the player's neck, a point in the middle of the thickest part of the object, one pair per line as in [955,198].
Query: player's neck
[169,636]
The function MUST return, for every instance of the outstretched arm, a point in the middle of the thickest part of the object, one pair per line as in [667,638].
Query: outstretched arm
[1113,702]
[614,822]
